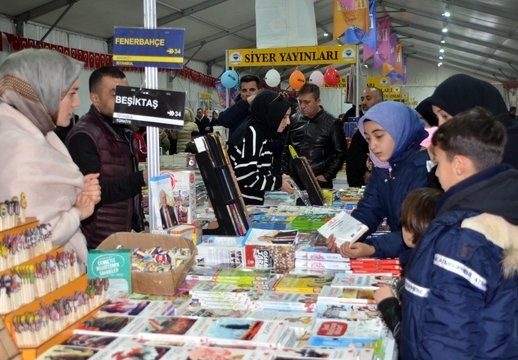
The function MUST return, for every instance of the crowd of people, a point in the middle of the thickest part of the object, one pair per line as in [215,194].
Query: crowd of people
[444,177]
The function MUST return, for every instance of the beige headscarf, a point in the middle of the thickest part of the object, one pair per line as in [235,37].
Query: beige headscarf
[34,81]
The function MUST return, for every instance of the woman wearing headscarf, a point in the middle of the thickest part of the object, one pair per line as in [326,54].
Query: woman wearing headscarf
[250,147]
[462,92]
[39,91]
[394,133]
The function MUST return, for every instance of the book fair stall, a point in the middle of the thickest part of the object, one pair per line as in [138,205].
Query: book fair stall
[212,278]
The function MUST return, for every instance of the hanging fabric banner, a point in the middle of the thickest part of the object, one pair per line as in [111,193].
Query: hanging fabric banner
[382,39]
[343,18]
[354,35]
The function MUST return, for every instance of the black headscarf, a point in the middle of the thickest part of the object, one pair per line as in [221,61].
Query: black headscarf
[425,110]
[268,108]
[462,92]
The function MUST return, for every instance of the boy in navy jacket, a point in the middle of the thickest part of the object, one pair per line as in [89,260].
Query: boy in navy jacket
[461,289]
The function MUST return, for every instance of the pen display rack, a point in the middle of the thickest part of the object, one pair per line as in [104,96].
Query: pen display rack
[222,188]
[24,289]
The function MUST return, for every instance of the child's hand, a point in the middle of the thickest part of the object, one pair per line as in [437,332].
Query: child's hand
[331,244]
[356,250]
[383,293]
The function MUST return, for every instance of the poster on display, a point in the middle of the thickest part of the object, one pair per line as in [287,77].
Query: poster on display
[149,107]
[383,83]
[205,102]
[141,47]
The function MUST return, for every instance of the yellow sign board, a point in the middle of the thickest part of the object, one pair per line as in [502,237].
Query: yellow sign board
[303,55]
[383,83]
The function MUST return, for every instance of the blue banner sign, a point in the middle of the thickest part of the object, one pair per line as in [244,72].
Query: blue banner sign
[141,47]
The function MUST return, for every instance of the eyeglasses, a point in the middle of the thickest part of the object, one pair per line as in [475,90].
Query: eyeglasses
[280,97]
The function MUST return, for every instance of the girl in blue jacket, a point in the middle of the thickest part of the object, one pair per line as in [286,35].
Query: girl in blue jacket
[394,132]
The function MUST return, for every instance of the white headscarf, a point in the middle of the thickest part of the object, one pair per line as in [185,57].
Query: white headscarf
[34,81]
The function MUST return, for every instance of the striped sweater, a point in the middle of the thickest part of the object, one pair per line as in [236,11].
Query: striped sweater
[253,166]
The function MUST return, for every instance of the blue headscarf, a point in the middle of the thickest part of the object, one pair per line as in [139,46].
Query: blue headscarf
[401,122]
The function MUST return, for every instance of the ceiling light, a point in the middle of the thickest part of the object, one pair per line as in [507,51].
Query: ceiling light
[443,41]
[439,64]
[444,30]
[441,50]
[441,57]
[367,66]
[446,14]
[326,34]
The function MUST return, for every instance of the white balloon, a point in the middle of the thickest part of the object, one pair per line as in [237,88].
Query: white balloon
[272,78]
[317,78]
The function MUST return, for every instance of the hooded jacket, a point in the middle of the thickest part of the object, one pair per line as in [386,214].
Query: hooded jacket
[461,289]
[389,185]
[250,147]
[183,137]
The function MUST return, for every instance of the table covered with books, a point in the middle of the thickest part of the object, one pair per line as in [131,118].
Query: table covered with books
[274,293]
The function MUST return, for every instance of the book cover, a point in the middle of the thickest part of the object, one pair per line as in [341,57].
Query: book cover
[183,187]
[358,281]
[130,349]
[300,322]
[112,264]
[199,311]
[61,352]
[350,312]
[344,227]
[139,308]
[92,341]
[321,264]
[223,240]
[111,326]
[165,207]
[306,284]
[285,301]
[309,252]
[337,354]
[330,294]
[255,332]
[280,258]
[212,254]
[222,353]
[271,237]
[176,328]
[341,333]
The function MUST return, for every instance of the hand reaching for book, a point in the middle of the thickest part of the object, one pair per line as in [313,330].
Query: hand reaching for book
[85,205]
[356,250]
[331,243]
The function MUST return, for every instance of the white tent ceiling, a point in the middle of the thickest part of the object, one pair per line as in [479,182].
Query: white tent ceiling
[482,36]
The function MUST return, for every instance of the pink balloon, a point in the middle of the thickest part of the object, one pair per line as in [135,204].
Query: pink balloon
[332,76]
[316,78]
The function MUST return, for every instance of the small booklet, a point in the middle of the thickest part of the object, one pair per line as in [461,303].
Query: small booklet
[344,227]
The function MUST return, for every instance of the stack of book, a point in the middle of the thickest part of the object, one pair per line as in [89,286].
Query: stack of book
[304,284]
[271,249]
[376,266]
[315,255]
[272,222]
[225,296]
[286,302]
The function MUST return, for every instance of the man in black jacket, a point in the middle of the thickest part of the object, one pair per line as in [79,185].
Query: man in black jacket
[358,152]
[203,122]
[316,135]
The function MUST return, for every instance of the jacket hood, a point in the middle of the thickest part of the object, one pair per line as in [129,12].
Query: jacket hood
[462,92]
[494,194]
[502,234]
[189,115]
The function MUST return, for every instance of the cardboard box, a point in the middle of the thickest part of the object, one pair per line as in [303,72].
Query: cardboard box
[8,349]
[153,283]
